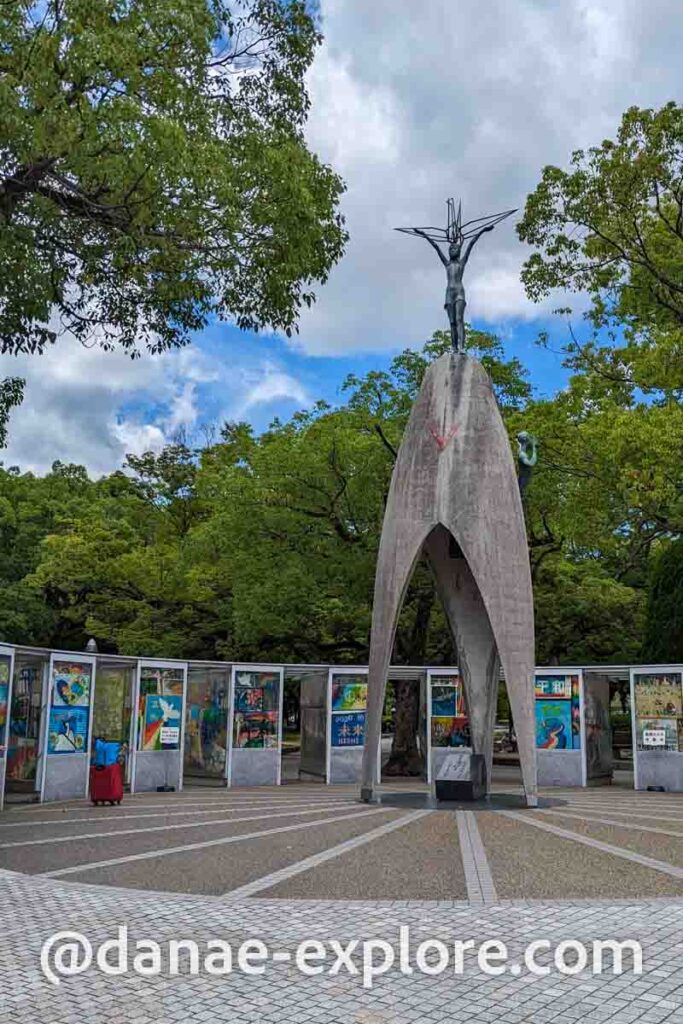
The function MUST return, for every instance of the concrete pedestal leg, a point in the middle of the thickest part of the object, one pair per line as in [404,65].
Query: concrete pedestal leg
[455,478]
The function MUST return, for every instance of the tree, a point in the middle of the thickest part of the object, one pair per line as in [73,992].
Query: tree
[129,569]
[11,395]
[32,508]
[664,623]
[612,226]
[154,173]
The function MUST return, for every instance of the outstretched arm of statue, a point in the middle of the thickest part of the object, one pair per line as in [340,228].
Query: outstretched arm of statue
[434,245]
[473,241]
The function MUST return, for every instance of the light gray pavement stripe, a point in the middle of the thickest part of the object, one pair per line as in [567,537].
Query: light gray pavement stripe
[629,825]
[168,851]
[478,879]
[611,809]
[653,807]
[168,828]
[579,797]
[135,801]
[180,814]
[596,844]
[481,860]
[268,881]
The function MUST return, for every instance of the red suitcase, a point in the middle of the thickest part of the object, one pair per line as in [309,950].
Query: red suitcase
[106,784]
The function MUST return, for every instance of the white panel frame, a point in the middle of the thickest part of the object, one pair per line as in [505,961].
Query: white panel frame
[641,670]
[6,652]
[345,670]
[155,663]
[260,667]
[45,698]
[562,670]
[436,673]
[78,659]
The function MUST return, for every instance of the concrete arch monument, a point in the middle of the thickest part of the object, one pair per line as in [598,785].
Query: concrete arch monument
[455,496]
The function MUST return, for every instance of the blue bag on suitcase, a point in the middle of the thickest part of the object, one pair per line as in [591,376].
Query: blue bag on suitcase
[106,753]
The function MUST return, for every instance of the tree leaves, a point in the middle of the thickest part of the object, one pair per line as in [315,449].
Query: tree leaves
[153,171]
[11,395]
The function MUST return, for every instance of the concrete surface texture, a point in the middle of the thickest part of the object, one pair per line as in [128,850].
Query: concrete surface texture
[309,862]
[310,840]
[454,494]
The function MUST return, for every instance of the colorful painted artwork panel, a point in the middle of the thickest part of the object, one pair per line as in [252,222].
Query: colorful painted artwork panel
[553,725]
[658,695]
[68,730]
[576,713]
[349,693]
[268,683]
[348,730]
[256,729]
[654,727]
[261,679]
[4,691]
[443,689]
[444,701]
[247,699]
[168,682]
[71,682]
[555,687]
[161,713]
[451,731]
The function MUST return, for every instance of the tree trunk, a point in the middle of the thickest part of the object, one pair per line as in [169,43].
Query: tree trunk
[405,758]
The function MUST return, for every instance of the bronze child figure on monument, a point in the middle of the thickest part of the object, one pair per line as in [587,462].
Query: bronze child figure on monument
[456,234]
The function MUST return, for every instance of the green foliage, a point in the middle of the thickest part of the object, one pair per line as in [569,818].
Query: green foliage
[584,616]
[11,395]
[32,508]
[612,226]
[664,623]
[154,173]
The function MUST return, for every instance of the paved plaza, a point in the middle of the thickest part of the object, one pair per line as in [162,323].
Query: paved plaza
[307,862]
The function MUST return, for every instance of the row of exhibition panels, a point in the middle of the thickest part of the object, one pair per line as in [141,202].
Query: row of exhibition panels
[209,719]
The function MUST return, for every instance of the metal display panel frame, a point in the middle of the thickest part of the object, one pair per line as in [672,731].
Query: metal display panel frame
[345,670]
[128,664]
[48,704]
[547,755]
[45,697]
[6,652]
[274,752]
[155,663]
[225,667]
[665,755]
[436,673]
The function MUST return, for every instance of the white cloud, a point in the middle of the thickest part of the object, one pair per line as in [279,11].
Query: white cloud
[94,407]
[467,99]
[264,385]
[76,398]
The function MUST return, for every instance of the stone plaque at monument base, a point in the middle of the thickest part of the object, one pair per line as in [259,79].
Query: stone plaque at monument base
[461,776]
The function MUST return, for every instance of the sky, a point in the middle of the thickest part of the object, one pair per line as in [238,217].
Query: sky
[411,103]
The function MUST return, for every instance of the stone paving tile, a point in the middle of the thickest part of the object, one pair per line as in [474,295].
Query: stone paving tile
[31,909]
